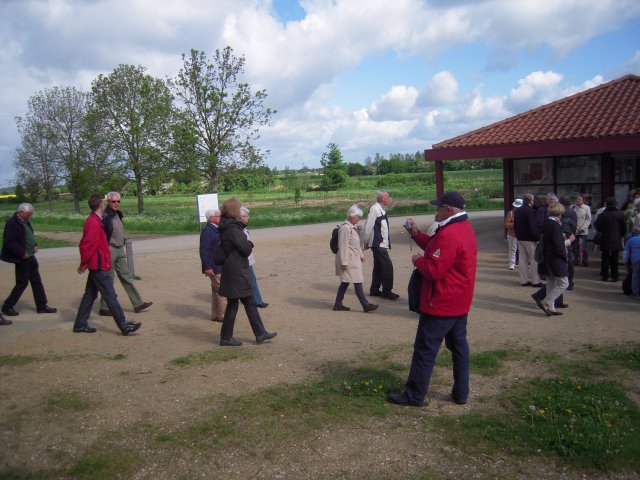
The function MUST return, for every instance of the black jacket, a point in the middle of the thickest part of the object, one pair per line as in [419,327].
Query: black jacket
[14,244]
[612,226]
[107,221]
[525,224]
[235,281]
[555,252]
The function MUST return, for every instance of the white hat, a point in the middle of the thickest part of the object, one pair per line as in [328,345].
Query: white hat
[517,203]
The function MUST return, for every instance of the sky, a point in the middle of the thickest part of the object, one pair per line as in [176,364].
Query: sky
[372,76]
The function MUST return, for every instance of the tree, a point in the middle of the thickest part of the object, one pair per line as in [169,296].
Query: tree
[220,116]
[36,162]
[334,169]
[137,110]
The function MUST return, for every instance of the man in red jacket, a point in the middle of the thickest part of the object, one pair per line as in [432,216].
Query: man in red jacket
[95,256]
[448,268]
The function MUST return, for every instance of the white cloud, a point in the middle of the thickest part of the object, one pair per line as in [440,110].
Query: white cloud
[441,90]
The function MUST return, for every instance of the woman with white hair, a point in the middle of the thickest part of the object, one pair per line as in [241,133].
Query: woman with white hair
[260,303]
[349,261]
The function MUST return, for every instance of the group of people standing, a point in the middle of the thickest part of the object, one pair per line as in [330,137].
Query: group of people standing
[559,230]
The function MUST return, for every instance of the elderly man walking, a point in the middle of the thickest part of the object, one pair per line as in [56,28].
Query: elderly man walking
[19,247]
[376,237]
[209,243]
[95,257]
[114,228]
[448,269]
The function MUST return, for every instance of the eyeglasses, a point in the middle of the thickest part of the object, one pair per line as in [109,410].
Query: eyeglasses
[114,201]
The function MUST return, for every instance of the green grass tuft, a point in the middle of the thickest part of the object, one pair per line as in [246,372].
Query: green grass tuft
[16,360]
[116,464]
[210,357]
[63,400]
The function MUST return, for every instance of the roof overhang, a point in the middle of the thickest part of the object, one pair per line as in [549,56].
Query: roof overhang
[588,146]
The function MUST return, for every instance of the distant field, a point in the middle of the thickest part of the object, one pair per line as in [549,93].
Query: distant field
[276,207]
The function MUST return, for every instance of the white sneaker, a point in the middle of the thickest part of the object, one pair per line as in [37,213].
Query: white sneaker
[512,267]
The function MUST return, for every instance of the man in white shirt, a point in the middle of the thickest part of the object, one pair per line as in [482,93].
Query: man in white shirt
[376,237]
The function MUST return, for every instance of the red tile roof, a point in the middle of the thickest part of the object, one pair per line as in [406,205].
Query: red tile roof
[610,111]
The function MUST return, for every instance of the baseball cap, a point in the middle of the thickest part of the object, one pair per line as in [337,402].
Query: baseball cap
[452,199]
[517,203]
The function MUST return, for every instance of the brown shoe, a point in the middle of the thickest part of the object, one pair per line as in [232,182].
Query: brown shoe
[370,308]
[341,308]
[4,321]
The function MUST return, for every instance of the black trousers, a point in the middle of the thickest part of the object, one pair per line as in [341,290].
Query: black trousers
[382,274]
[609,263]
[250,307]
[27,272]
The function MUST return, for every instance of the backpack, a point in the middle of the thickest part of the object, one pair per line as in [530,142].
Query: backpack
[333,243]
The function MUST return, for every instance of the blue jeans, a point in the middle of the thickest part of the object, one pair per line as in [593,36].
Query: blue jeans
[431,330]
[254,285]
[99,281]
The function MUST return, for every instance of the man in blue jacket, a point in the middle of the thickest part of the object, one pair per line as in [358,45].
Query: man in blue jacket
[527,230]
[209,243]
[20,248]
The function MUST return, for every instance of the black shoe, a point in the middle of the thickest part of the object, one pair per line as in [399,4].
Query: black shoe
[402,399]
[47,309]
[537,285]
[230,342]
[262,305]
[375,293]
[341,308]
[570,287]
[4,321]
[528,284]
[457,402]
[130,327]
[104,313]
[84,329]
[563,305]
[10,311]
[370,308]
[538,301]
[142,307]
[390,296]
[554,312]
[265,336]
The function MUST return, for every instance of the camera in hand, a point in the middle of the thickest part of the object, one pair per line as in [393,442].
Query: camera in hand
[408,224]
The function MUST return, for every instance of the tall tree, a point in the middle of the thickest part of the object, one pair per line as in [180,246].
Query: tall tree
[36,161]
[220,115]
[137,111]
[334,168]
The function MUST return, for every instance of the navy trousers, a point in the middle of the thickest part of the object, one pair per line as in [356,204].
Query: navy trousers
[431,331]
[99,281]
[27,272]
[382,274]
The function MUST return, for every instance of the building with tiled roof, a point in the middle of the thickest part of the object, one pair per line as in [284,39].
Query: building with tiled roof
[586,143]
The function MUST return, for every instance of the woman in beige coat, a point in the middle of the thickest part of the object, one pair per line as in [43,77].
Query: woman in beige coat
[349,261]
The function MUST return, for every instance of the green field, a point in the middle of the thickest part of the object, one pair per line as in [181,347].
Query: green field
[173,214]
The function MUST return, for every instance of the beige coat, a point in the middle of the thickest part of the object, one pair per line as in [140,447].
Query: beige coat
[349,254]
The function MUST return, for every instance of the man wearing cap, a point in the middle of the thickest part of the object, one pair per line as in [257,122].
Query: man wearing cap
[527,230]
[448,269]
[376,237]
[512,241]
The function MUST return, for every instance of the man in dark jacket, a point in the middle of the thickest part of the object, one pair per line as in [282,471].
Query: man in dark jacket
[114,228]
[20,248]
[95,257]
[569,223]
[209,243]
[612,226]
[527,230]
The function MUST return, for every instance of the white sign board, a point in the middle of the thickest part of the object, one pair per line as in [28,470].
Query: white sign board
[207,201]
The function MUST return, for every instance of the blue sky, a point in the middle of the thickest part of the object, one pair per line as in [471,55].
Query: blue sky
[371,76]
